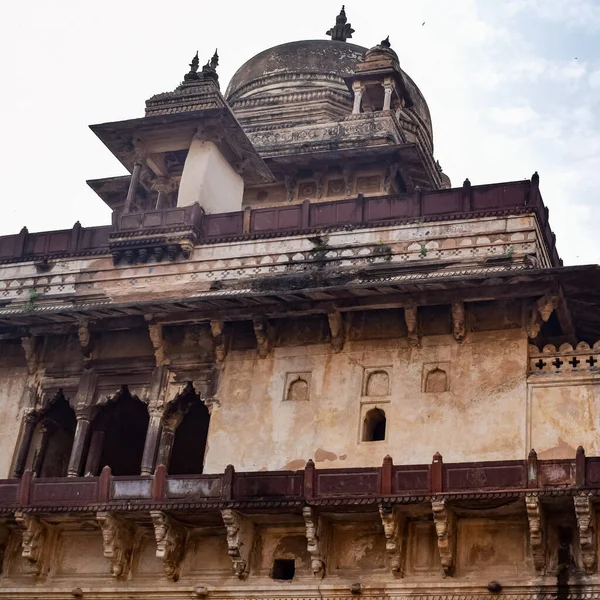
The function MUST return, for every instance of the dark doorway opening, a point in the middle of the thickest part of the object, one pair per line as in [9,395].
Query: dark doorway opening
[58,424]
[284,569]
[374,426]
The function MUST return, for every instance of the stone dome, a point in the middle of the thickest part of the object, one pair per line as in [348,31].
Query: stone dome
[307,65]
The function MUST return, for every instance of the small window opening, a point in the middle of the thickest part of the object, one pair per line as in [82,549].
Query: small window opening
[284,569]
[374,426]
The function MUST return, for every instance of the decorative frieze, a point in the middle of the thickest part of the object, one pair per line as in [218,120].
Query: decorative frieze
[445,529]
[317,535]
[240,536]
[585,512]
[170,542]
[393,521]
[537,531]
[565,359]
[117,539]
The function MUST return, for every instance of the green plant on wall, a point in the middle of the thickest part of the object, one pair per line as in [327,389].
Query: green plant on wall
[30,304]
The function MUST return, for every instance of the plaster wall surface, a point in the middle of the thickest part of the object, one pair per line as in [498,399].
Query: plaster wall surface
[13,382]
[482,416]
[209,180]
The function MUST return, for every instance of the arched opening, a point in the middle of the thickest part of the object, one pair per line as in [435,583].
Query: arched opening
[297,390]
[374,426]
[436,381]
[56,433]
[118,436]
[378,384]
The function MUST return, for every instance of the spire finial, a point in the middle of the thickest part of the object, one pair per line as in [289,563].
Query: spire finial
[386,43]
[342,29]
[209,70]
[214,61]
[193,73]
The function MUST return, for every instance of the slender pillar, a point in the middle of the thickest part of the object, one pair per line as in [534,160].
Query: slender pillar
[133,185]
[358,94]
[166,447]
[21,461]
[81,433]
[153,436]
[92,463]
[43,444]
[388,88]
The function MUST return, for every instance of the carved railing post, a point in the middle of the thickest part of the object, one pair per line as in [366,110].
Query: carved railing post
[170,542]
[585,513]
[537,531]
[117,538]
[445,529]
[532,469]
[580,467]
[393,521]
[35,540]
[317,538]
[240,536]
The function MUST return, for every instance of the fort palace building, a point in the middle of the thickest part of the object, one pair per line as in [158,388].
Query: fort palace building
[299,364]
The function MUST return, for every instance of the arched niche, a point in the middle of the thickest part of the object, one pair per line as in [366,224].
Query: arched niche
[297,390]
[185,433]
[118,436]
[374,426]
[55,433]
[378,383]
[436,381]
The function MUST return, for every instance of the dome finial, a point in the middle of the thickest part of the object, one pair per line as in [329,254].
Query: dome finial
[209,70]
[386,43]
[342,29]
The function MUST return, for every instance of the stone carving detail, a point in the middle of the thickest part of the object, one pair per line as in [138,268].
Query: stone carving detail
[240,535]
[537,535]
[29,347]
[393,525]
[540,313]
[412,324]
[586,521]
[290,187]
[316,539]
[117,538]
[216,327]
[445,529]
[348,181]
[156,337]
[170,542]
[35,536]
[458,321]
[263,339]
[336,326]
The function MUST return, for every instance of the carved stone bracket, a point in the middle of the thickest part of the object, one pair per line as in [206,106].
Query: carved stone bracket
[263,337]
[537,533]
[336,326]
[459,326]
[216,327]
[540,313]
[117,538]
[29,347]
[35,538]
[240,535]
[170,542]
[317,536]
[412,324]
[445,529]
[585,513]
[393,528]
[156,337]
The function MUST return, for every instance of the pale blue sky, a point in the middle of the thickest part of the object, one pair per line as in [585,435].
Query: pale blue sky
[513,87]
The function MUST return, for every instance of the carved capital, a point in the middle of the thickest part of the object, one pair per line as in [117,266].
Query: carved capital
[336,327]
[29,345]
[117,538]
[170,542]
[263,337]
[445,529]
[459,327]
[411,318]
[585,513]
[537,533]
[156,337]
[216,328]
[393,529]
[35,538]
[240,535]
[316,539]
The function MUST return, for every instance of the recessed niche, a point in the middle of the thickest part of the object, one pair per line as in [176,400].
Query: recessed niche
[297,387]
[376,384]
[436,378]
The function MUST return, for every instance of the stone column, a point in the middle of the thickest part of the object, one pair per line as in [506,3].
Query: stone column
[21,461]
[133,185]
[358,94]
[388,88]
[166,446]
[153,436]
[43,444]
[81,433]
[92,463]
[164,187]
